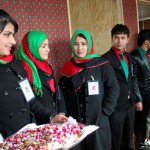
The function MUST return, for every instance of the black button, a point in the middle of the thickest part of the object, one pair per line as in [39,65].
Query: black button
[7,69]
[11,115]
[128,96]
[5,92]
[18,88]
[23,110]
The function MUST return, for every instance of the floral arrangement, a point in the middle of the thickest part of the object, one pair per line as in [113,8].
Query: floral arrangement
[51,136]
[46,137]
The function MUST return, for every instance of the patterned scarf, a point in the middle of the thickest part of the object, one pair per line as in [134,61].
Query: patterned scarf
[6,59]
[28,53]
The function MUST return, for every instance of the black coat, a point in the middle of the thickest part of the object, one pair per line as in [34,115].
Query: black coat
[50,103]
[127,97]
[14,110]
[95,109]
[141,76]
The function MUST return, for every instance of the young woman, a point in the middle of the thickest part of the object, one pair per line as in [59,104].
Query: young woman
[14,102]
[90,89]
[33,53]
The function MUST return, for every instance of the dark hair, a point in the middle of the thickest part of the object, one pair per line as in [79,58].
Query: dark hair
[5,18]
[82,35]
[120,29]
[142,36]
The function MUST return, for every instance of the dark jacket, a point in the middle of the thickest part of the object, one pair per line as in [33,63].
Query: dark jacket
[14,110]
[50,103]
[94,109]
[141,75]
[127,97]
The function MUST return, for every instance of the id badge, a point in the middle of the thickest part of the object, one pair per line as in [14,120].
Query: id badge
[93,87]
[26,89]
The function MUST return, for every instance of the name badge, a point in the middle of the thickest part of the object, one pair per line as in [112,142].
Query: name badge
[93,88]
[26,89]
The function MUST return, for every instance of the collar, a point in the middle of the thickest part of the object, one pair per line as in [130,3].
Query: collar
[117,51]
[141,51]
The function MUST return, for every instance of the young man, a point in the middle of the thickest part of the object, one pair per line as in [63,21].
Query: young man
[122,120]
[141,59]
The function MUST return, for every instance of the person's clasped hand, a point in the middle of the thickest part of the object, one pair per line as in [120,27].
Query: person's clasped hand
[59,118]
[139,106]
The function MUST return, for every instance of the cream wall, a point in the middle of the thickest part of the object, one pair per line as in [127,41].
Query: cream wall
[96,16]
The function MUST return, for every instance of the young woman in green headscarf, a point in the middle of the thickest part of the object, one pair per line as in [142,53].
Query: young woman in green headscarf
[90,89]
[33,53]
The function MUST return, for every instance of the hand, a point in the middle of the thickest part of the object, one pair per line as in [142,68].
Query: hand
[59,118]
[139,106]
[81,125]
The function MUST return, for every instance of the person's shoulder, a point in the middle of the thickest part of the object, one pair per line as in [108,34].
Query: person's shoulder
[134,52]
[135,55]
[107,54]
[16,63]
[102,62]
[67,63]
[17,66]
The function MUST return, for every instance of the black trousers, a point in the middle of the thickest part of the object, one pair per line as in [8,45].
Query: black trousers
[122,129]
[142,123]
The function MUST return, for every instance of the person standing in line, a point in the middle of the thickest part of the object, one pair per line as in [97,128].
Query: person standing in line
[122,119]
[141,59]
[15,110]
[33,52]
[90,89]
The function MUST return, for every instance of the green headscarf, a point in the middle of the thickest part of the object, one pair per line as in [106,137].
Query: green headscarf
[28,52]
[35,39]
[90,53]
